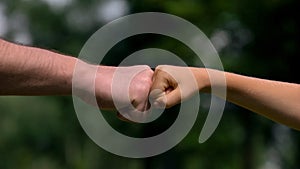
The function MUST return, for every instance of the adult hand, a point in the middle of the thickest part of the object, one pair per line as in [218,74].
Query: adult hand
[125,89]
[172,84]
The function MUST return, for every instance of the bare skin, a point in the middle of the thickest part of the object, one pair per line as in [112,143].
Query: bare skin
[33,71]
[279,101]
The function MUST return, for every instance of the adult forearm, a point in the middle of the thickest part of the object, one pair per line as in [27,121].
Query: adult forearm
[33,71]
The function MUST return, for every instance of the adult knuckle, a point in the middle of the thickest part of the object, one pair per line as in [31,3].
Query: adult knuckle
[145,67]
[143,89]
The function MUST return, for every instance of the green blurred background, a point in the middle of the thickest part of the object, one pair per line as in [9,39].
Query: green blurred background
[257,38]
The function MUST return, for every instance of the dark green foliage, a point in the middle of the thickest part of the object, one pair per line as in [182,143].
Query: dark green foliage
[262,39]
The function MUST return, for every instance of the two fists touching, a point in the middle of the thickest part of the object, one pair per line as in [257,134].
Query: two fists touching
[32,71]
[133,90]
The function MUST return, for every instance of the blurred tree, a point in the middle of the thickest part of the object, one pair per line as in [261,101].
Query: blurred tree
[258,38]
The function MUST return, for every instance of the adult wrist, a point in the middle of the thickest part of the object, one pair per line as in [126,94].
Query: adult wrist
[92,82]
[83,76]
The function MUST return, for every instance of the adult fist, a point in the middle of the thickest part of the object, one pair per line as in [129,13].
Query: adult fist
[172,84]
[125,89]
